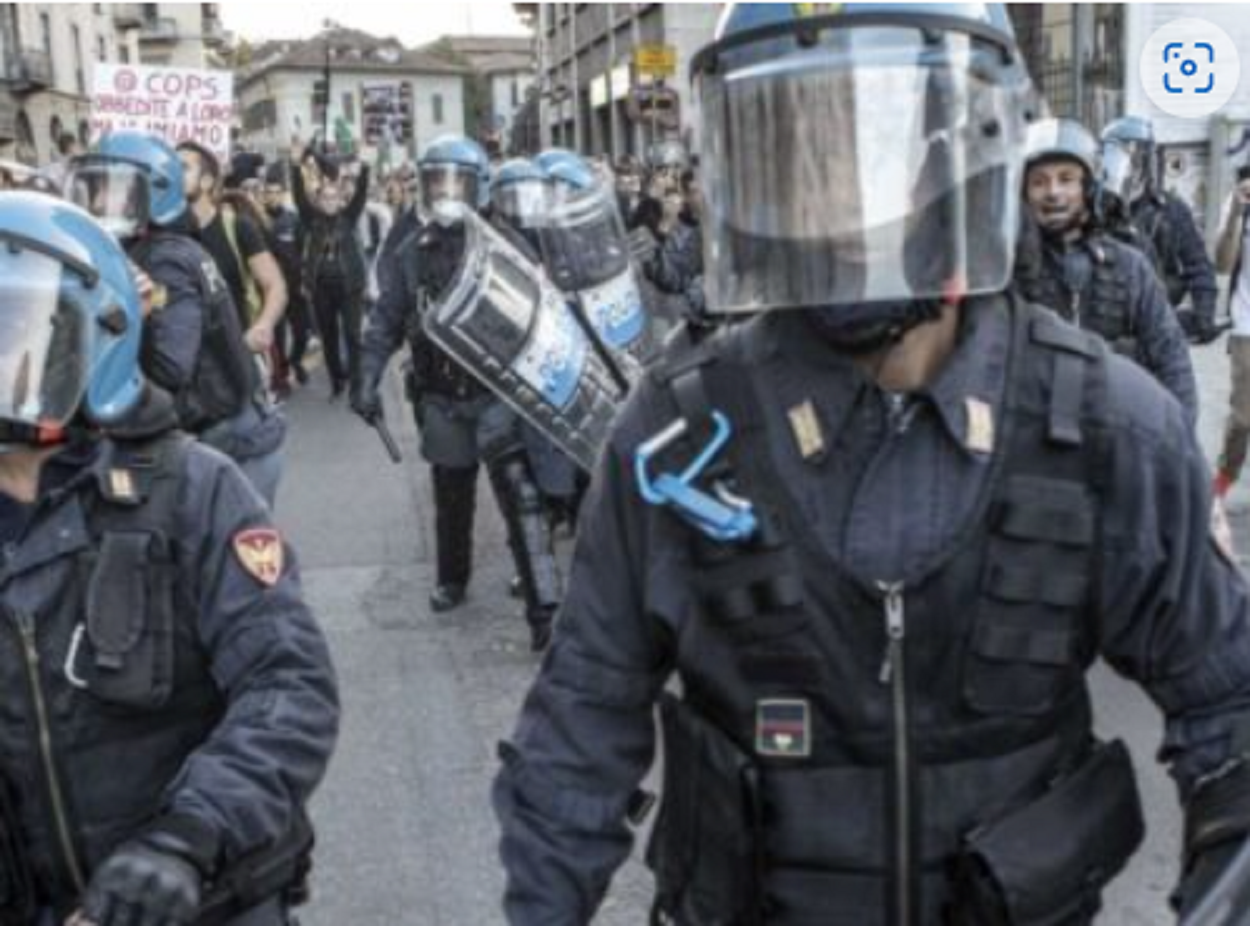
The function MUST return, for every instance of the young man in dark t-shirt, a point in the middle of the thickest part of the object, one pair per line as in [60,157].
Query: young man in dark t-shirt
[202,176]
[251,243]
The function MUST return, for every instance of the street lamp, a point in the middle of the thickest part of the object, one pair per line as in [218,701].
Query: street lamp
[328,26]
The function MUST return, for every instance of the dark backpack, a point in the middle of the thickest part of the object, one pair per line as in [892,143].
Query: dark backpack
[225,376]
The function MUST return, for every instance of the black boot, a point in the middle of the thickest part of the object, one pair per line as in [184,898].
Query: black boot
[446,598]
[455,498]
[540,638]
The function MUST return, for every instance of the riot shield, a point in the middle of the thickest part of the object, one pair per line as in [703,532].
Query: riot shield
[505,323]
[1227,903]
[587,254]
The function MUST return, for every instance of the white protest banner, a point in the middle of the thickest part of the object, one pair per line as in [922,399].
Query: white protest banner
[178,104]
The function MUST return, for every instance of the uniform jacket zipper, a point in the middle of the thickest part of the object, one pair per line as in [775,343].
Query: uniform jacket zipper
[26,632]
[894,674]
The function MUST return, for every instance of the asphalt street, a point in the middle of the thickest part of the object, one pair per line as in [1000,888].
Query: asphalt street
[406,834]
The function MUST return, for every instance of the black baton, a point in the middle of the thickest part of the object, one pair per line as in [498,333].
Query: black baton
[388,441]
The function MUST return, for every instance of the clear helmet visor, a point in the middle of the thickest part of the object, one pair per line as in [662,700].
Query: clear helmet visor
[448,183]
[44,340]
[524,203]
[583,238]
[881,166]
[116,193]
[1127,169]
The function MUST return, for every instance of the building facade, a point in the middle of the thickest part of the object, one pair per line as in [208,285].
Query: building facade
[503,74]
[589,85]
[181,35]
[48,52]
[1086,60]
[281,95]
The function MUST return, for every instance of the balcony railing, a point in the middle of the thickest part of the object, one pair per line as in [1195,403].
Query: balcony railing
[30,70]
[160,29]
[127,15]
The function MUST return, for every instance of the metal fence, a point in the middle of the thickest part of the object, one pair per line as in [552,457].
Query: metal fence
[1075,54]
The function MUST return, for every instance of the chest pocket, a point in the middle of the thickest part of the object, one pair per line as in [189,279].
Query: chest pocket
[1027,646]
[124,652]
[1108,304]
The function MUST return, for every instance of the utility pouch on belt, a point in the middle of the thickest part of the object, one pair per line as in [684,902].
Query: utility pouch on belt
[1045,864]
[704,851]
[17,888]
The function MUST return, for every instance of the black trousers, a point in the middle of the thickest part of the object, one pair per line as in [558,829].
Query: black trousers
[296,328]
[455,506]
[339,318]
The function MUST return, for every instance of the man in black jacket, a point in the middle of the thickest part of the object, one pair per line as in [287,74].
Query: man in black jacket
[335,274]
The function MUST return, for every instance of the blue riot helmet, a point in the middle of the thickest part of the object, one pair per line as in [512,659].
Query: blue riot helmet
[70,320]
[860,155]
[128,181]
[454,169]
[584,243]
[518,193]
[567,175]
[1129,159]
[548,159]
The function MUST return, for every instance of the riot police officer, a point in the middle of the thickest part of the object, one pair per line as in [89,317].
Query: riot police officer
[169,701]
[520,195]
[1182,262]
[586,252]
[193,344]
[880,532]
[462,424]
[1091,279]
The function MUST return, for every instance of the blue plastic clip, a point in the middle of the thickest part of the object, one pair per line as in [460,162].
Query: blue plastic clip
[723,516]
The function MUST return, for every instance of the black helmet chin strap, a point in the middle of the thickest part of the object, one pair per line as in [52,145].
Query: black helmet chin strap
[872,335]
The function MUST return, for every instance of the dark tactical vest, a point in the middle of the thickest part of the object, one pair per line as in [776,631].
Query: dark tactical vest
[838,745]
[1101,305]
[225,376]
[99,653]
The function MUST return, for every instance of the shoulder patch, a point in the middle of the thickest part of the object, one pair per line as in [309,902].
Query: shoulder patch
[260,553]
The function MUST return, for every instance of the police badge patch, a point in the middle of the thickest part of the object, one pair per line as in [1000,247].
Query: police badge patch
[783,728]
[259,552]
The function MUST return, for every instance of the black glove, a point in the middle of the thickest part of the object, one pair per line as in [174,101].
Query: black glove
[1217,820]
[153,880]
[1199,329]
